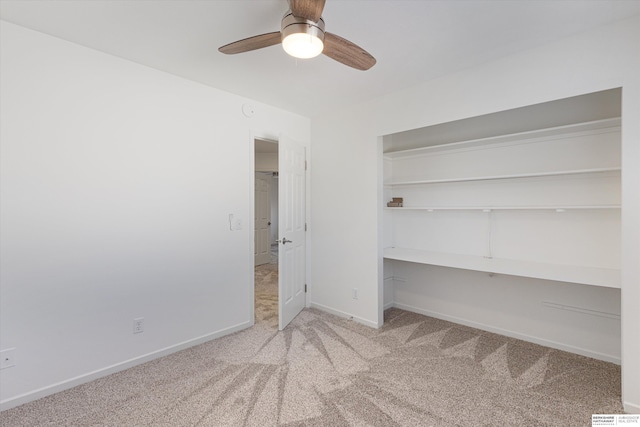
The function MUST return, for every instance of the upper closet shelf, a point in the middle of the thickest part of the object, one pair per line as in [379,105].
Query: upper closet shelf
[564,273]
[503,208]
[509,176]
[599,126]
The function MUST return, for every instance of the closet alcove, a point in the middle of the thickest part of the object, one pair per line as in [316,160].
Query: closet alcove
[511,222]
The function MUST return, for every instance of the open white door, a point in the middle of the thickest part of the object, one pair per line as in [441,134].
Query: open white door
[291,225]
[262,222]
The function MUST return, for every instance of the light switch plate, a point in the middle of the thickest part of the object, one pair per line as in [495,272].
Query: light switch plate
[235,223]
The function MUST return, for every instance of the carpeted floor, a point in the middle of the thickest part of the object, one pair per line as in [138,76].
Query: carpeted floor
[327,371]
[266,294]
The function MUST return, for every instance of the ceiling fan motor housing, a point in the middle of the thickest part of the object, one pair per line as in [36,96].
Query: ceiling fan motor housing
[295,25]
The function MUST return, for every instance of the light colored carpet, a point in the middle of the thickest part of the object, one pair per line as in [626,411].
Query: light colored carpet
[326,371]
[266,294]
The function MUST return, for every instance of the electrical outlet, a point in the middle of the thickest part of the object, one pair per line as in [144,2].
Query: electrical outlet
[355,293]
[7,358]
[138,325]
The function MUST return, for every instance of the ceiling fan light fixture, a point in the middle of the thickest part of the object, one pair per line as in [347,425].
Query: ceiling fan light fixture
[302,38]
[301,45]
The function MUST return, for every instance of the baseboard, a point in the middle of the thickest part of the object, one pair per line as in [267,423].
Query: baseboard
[339,313]
[631,408]
[512,334]
[389,305]
[91,376]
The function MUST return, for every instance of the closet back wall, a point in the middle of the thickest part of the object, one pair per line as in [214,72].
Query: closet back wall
[541,204]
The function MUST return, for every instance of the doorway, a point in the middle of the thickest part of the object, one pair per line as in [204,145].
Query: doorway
[287,158]
[266,233]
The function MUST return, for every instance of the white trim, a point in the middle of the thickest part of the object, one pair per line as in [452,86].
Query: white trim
[380,223]
[252,232]
[525,337]
[631,408]
[389,305]
[345,315]
[103,372]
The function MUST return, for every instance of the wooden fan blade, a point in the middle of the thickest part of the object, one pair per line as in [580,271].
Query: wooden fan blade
[342,50]
[251,43]
[307,9]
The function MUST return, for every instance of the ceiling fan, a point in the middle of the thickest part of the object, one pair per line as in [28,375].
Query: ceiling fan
[302,35]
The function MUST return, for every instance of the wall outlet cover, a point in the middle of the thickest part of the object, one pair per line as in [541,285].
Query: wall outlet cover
[138,325]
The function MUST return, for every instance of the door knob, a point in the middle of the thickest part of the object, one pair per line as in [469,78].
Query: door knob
[284,241]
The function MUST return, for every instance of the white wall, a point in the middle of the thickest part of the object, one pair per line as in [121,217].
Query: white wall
[346,192]
[117,182]
[344,230]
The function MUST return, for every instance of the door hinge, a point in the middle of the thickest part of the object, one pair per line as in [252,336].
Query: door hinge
[305,226]
[305,287]
[305,165]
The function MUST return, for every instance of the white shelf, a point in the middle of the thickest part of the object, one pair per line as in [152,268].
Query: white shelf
[503,208]
[508,176]
[564,273]
[604,125]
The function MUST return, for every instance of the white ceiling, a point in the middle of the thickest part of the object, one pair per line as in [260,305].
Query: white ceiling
[413,41]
